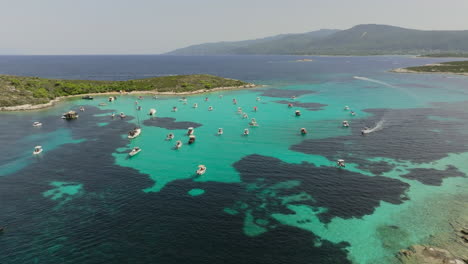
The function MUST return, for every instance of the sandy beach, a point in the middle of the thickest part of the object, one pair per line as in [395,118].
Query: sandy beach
[27,107]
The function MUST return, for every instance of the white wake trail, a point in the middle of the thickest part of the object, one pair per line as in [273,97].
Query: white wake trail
[372,80]
[378,126]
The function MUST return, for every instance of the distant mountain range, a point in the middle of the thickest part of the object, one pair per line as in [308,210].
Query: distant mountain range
[360,40]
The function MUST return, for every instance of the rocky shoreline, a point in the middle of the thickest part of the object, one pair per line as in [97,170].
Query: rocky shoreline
[28,107]
[404,70]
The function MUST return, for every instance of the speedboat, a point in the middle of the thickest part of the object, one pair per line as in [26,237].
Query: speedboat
[122,115]
[82,109]
[191,139]
[366,130]
[345,124]
[195,105]
[353,113]
[201,170]
[87,97]
[239,110]
[140,97]
[70,115]
[134,133]
[245,116]
[111,99]
[290,105]
[293,97]
[255,109]
[37,124]
[258,99]
[190,131]
[253,122]
[210,108]
[170,136]
[139,108]
[152,112]
[341,163]
[246,132]
[134,151]
[206,99]
[178,144]
[346,108]
[298,113]
[174,109]
[220,131]
[37,150]
[303,131]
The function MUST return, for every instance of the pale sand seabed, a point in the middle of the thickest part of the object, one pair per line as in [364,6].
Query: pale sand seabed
[26,107]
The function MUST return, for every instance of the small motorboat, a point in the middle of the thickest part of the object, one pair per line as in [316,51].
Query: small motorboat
[170,136]
[346,108]
[87,97]
[365,131]
[70,115]
[345,124]
[234,101]
[191,139]
[210,108]
[341,163]
[139,108]
[293,97]
[245,116]
[155,97]
[82,109]
[353,113]
[220,131]
[152,112]
[111,99]
[134,151]
[290,105]
[102,104]
[136,102]
[258,99]
[253,122]
[122,115]
[37,150]
[190,131]
[113,115]
[134,133]
[255,109]
[246,132]
[298,113]
[206,99]
[140,97]
[239,110]
[303,131]
[37,124]
[195,105]
[183,99]
[201,170]
[115,97]
[174,109]
[178,144]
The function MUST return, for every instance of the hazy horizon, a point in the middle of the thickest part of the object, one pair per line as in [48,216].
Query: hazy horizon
[54,27]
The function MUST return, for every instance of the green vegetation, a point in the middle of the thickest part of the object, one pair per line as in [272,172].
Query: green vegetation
[17,90]
[458,67]
[446,55]
[359,40]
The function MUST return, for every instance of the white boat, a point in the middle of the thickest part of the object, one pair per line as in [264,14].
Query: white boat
[174,109]
[258,99]
[245,116]
[82,109]
[37,124]
[195,105]
[201,170]
[210,108]
[134,133]
[366,130]
[303,131]
[190,131]
[178,144]
[253,122]
[346,108]
[191,139]
[134,151]
[246,132]
[345,124]
[239,110]
[353,113]
[139,108]
[170,136]
[298,113]
[220,131]
[111,99]
[340,163]
[113,115]
[122,115]
[152,112]
[37,150]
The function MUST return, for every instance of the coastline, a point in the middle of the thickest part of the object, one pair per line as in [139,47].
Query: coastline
[30,107]
[403,70]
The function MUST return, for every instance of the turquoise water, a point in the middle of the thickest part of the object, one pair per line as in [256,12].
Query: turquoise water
[259,194]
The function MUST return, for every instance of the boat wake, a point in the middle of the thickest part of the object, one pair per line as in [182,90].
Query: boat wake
[372,80]
[378,126]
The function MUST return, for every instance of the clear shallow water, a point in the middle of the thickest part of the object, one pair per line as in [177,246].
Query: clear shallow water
[271,197]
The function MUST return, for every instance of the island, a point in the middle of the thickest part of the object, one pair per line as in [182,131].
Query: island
[453,67]
[27,93]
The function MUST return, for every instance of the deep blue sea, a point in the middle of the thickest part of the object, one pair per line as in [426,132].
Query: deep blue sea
[274,196]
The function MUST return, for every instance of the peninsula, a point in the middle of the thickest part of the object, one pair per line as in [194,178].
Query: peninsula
[453,67]
[25,93]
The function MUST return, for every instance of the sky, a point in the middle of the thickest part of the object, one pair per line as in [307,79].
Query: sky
[155,26]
